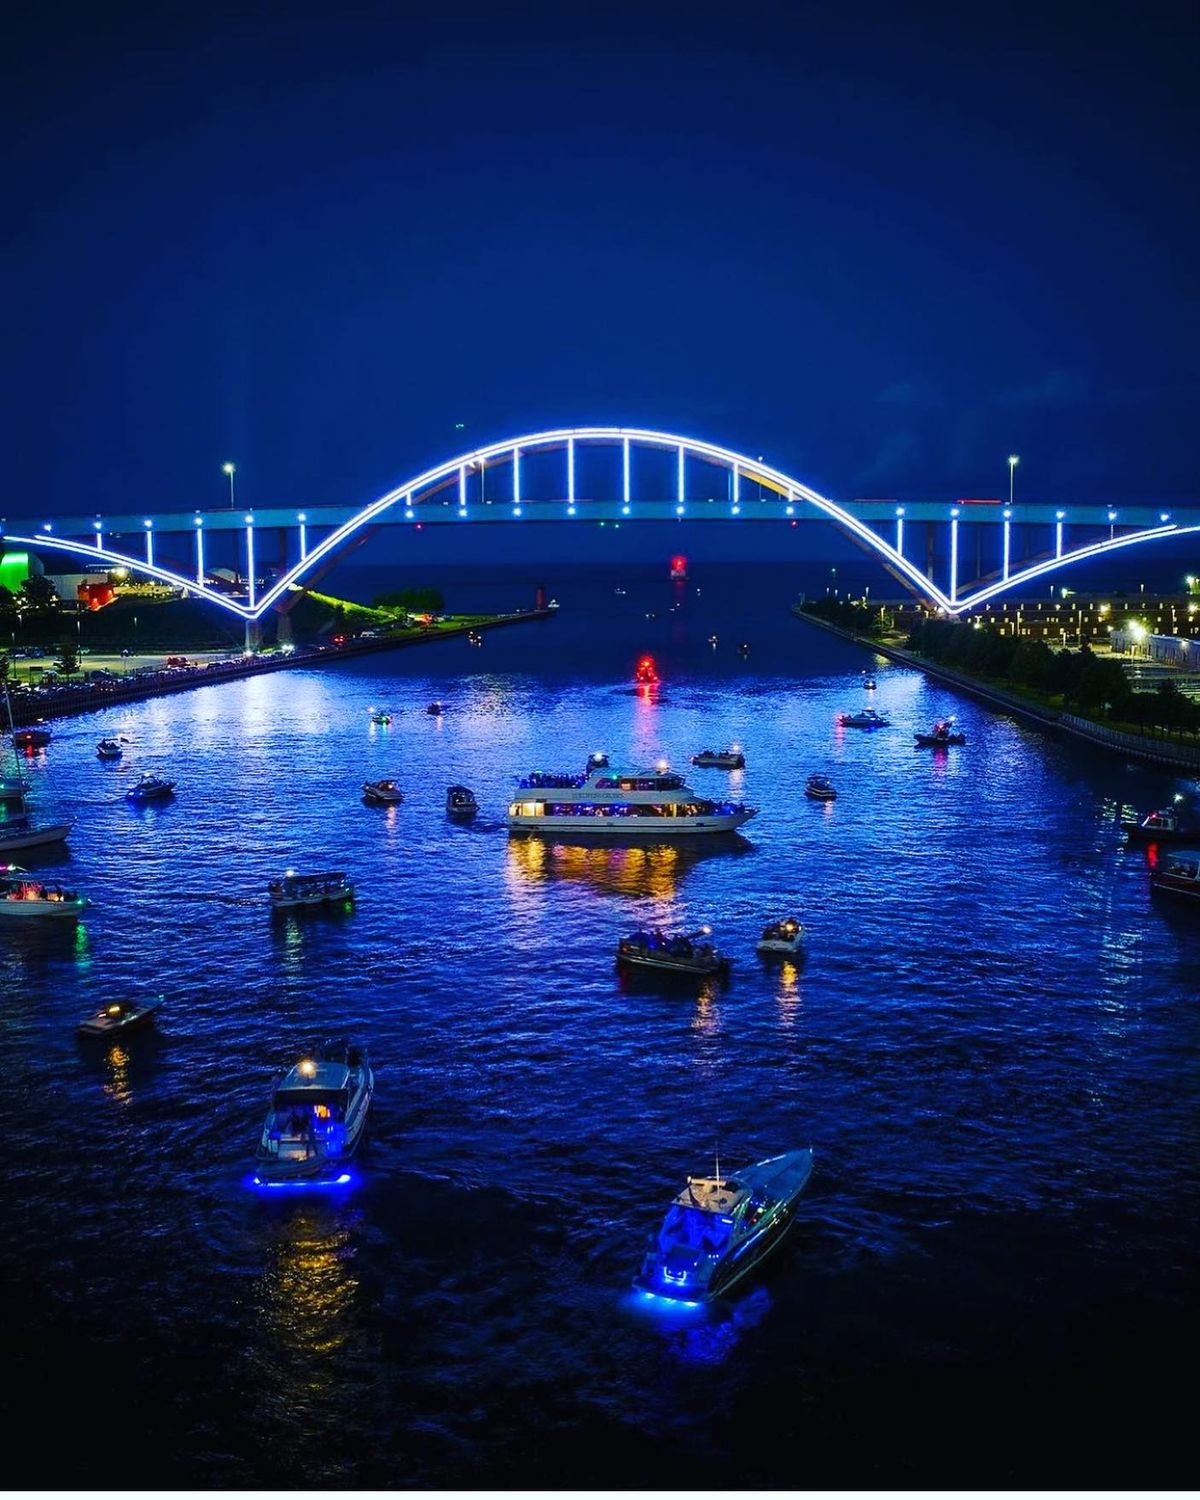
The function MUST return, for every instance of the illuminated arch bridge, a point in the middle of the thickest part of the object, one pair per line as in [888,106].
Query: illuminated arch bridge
[651,476]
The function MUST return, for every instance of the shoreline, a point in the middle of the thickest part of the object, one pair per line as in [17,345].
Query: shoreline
[183,680]
[1051,721]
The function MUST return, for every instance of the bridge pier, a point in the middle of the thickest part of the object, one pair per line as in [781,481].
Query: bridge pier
[253,637]
[283,628]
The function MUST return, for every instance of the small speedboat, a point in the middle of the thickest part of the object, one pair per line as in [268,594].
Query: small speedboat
[149,788]
[785,938]
[744,649]
[110,750]
[719,1228]
[25,895]
[942,733]
[385,793]
[294,890]
[380,716]
[461,803]
[33,738]
[684,953]
[1166,825]
[868,684]
[317,1120]
[597,761]
[720,760]
[120,1016]
[866,718]
[1177,873]
[435,709]
[820,789]
[646,673]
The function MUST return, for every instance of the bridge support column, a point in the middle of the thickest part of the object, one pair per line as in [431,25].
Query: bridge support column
[253,636]
[283,629]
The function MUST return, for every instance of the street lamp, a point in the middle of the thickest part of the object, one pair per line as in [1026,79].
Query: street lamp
[1013,461]
[230,470]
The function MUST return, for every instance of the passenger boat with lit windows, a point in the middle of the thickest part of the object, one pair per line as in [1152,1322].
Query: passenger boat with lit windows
[719,1228]
[1177,873]
[720,760]
[120,1016]
[294,890]
[384,793]
[820,789]
[943,733]
[684,953]
[317,1120]
[1165,825]
[640,804]
[783,939]
[461,803]
[25,895]
[150,789]
[865,718]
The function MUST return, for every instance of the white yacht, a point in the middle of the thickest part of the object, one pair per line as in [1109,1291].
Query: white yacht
[644,804]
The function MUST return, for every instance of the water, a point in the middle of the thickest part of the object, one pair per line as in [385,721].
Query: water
[991,1047]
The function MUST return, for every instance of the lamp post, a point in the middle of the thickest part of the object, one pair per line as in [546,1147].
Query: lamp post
[1013,461]
[229,469]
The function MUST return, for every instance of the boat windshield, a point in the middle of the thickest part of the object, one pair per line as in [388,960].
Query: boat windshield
[333,1101]
[708,1233]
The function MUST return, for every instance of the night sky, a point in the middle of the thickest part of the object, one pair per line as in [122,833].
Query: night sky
[882,246]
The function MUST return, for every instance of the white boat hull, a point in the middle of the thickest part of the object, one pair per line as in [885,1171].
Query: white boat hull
[781,947]
[33,838]
[628,825]
[18,910]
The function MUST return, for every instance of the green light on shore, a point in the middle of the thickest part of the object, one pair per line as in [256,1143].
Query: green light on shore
[14,570]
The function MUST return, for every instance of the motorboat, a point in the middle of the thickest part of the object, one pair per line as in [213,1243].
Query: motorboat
[33,738]
[744,649]
[619,591]
[317,1120]
[110,749]
[785,938]
[1166,825]
[26,895]
[148,788]
[435,709]
[719,1228]
[119,1017]
[681,953]
[820,789]
[942,733]
[712,640]
[461,803]
[637,804]
[1178,873]
[597,761]
[327,889]
[474,638]
[380,716]
[865,718]
[645,674]
[869,684]
[720,760]
[385,793]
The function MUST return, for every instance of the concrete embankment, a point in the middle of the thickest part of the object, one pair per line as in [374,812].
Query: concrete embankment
[1156,752]
[80,700]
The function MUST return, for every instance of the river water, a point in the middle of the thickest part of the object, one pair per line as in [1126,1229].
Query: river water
[991,1047]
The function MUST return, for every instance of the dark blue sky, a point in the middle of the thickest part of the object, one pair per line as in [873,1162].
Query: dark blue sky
[883,246]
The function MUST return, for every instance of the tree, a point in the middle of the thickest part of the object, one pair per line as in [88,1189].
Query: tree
[38,595]
[8,608]
[422,601]
[68,658]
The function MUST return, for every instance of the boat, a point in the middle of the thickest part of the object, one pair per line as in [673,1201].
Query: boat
[461,803]
[942,733]
[148,788]
[294,890]
[720,760]
[120,1016]
[1178,873]
[712,640]
[385,793]
[639,804]
[33,738]
[380,716]
[474,638]
[1166,825]
[865,718]
[26,895]
[110,750]
[820,789]
[597,761]
[679,568]
[645,674]
[18,832]
[681,953]
[719,1228]
[436,709]
[868,683]
[744,649]
[785,938]
[619,591]
[317,1119]
[12,789]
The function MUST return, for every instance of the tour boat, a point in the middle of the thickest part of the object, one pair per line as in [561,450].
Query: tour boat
[309,890]
[380,716]
[1166,825]
[682,953]
[461,803]
[820,789]
[34,738]
[719,1228]
[1178,873]
[720,760]
[317,1120]
[383,793]
[110,750]
[435,709]
[120,1016]
[865,718]
[785,938]
[149,788]
[641,804]
[26,895]
[942,733]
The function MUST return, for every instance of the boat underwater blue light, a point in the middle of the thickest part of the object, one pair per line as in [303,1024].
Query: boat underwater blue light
[327,1182]
[664,1297]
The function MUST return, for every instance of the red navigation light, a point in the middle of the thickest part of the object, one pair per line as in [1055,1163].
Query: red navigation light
[646,672]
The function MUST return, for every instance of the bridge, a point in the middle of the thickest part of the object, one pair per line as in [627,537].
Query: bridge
[645,476]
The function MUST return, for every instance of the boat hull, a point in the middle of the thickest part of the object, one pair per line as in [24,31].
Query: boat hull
[1176,885]
[61,911]
[34,838]
[664,965]
[1137,834]
[629,826]
[932,741]
[103,1026]
[297,903]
